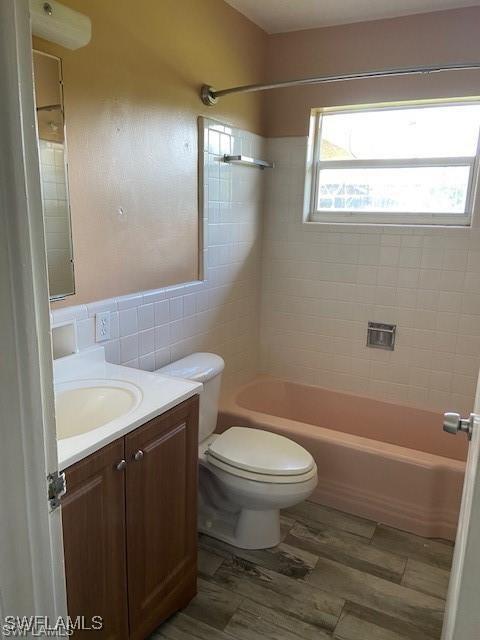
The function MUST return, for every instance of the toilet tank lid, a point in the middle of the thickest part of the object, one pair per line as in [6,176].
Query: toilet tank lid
[199,367]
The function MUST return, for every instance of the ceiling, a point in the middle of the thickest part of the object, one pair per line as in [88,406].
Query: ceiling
[276,16]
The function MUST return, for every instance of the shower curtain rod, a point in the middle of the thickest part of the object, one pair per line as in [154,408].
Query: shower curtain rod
[210,96]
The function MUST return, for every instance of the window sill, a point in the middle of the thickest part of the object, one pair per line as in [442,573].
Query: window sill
[395,225]
[456,221]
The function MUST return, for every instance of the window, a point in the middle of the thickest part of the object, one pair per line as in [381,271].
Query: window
[402,164]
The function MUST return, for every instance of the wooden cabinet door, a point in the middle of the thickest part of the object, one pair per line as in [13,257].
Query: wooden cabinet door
[93,515]
[161,503]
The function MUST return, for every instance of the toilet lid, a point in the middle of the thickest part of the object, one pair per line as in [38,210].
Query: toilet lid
[260,452]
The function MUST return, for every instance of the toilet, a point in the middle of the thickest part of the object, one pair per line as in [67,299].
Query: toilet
[245,475]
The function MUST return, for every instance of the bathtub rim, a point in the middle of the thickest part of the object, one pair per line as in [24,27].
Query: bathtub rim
[397,452]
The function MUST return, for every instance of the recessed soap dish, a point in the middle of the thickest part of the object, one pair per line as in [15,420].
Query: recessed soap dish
[381,335]
[64,339]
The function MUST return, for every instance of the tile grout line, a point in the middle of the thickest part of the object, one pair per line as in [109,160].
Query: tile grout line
[404,571]
[339,618]
[370,540]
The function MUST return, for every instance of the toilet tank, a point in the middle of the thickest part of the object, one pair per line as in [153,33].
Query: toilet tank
[205,368]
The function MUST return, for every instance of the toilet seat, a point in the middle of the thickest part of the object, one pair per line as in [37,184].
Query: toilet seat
[260,455]
[259,477]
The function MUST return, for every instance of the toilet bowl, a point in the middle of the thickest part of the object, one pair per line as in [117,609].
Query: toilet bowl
[245,475]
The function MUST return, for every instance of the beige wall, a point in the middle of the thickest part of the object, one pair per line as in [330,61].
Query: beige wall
[442,37]
[131,105]
[131,102]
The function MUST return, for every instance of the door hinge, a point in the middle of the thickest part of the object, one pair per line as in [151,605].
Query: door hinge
[57,487]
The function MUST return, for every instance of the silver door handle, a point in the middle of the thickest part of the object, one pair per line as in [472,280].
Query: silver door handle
[120,466]
[138,455]
[453,423]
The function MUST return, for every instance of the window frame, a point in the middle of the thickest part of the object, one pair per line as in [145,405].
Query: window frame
[359,217]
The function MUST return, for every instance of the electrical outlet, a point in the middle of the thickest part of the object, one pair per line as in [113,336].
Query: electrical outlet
[102,326]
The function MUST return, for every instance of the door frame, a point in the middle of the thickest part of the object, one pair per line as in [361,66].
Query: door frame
[32,580]
[462,613]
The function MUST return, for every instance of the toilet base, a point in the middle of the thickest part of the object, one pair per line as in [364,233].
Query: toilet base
[247,529]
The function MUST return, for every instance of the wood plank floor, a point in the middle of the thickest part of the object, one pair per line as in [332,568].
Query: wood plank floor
[334,575]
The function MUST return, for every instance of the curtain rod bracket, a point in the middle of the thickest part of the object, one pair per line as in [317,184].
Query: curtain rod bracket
[208,95]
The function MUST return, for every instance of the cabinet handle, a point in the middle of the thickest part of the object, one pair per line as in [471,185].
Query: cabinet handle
[138,455]
[120,466]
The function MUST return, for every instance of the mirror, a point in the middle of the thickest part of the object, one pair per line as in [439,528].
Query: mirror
[53,173]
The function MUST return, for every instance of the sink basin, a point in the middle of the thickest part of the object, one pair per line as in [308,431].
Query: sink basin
[82,406]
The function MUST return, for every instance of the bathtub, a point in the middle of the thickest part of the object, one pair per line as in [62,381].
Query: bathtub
[386,462]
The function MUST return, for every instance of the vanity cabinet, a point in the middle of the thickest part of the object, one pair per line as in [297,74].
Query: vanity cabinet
[161,506]
[130,526]
[93,515]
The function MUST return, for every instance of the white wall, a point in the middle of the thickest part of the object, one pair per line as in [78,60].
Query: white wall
[221,313]
[321,284]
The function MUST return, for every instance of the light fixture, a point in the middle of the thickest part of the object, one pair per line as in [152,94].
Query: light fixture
[57,23]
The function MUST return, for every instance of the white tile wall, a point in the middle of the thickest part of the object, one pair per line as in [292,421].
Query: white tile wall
[220,313]
[321,284]
[56,216]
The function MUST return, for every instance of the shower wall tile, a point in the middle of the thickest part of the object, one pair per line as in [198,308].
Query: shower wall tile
[322,283]
[219,313]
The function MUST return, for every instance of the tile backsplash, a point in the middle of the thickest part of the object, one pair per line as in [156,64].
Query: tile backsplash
[219,313]
[323,283]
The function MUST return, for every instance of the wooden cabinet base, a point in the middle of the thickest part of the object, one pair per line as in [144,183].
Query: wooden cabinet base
[130,534]
[177,599]
[161,501]
[93,515]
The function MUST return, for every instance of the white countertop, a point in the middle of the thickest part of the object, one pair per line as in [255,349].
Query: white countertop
[159,393]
